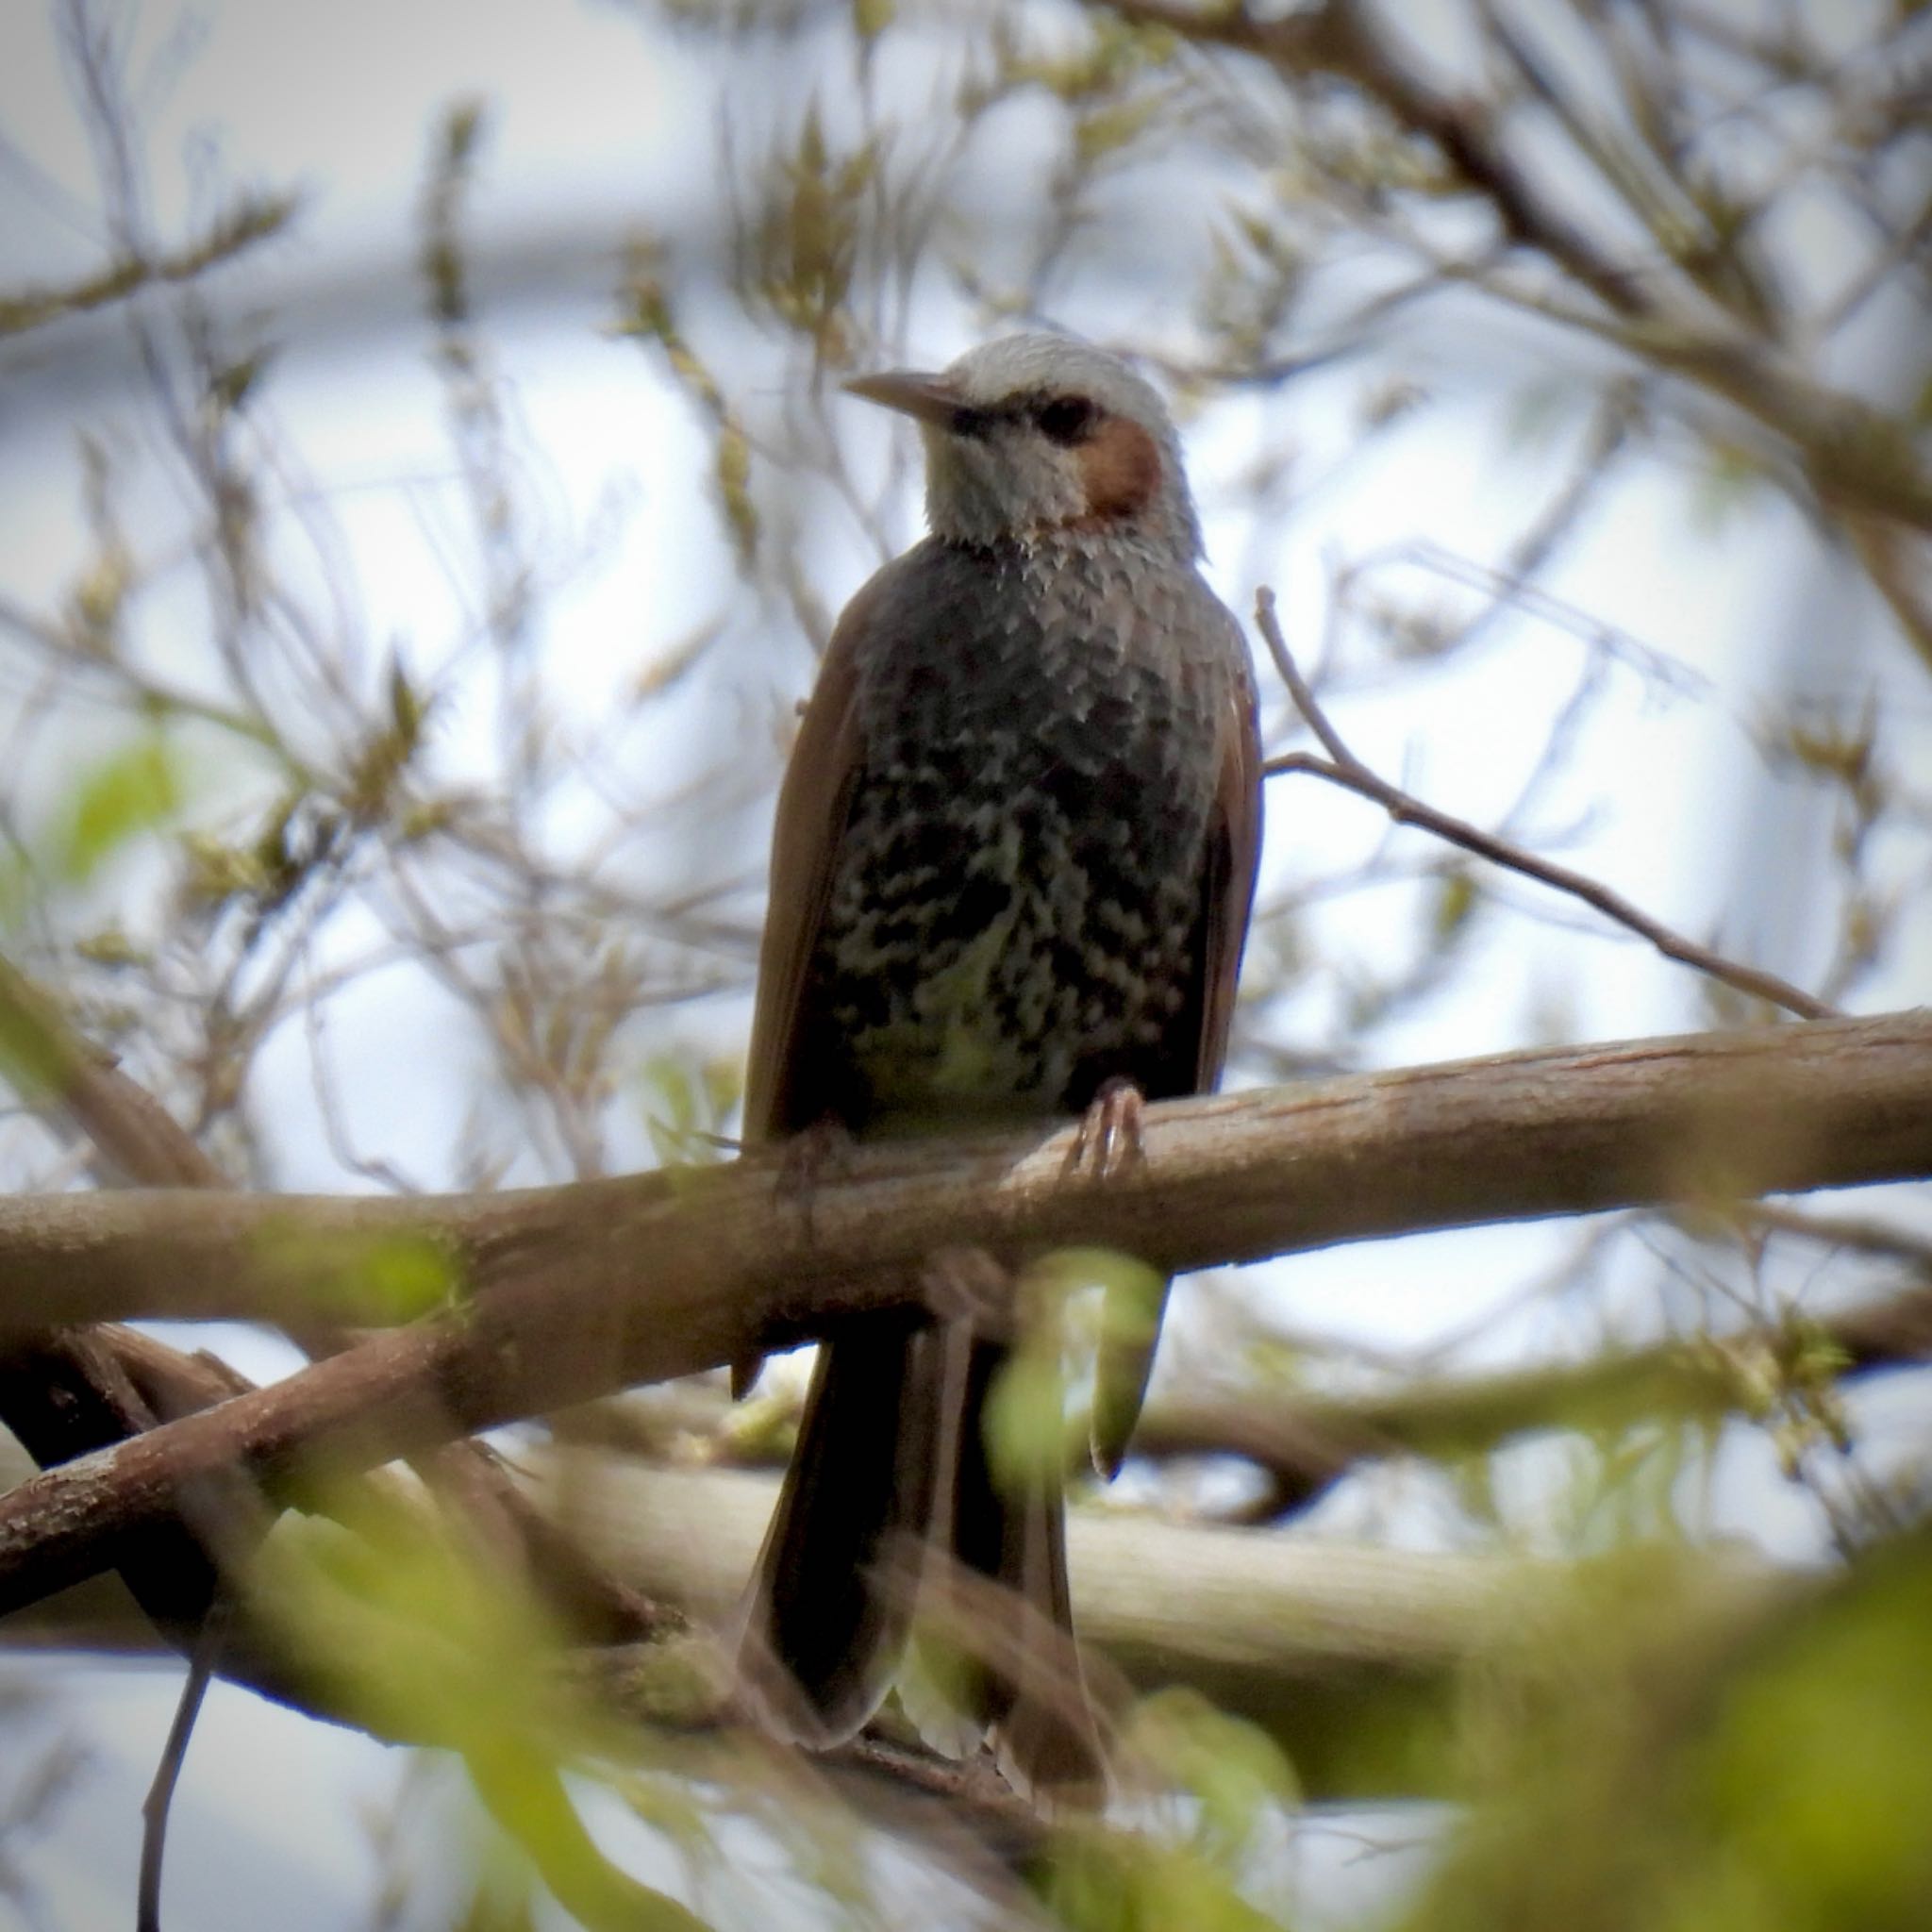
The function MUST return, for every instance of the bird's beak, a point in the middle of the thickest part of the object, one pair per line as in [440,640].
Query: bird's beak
[930,398]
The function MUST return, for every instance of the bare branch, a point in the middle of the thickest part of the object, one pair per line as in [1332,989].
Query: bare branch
[253,219]
[1306,1442]
[1341,767]
[1857,459]
[139,1142]
[1864,1236]
[1304,1639]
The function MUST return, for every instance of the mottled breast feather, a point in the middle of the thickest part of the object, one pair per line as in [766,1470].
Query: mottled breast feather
[1014,914]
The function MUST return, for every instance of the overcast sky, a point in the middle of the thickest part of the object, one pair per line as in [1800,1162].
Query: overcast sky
[598,123]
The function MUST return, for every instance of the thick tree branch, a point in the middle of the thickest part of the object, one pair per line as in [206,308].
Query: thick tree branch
[682,1267]
[587,1288]
[66,1393]
[1328,1646]
[1305,1439]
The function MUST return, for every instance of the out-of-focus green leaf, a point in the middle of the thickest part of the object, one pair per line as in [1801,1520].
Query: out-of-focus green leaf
[1025,1421]
[29,1061]
[376,1279]
[411,1631]
[1100,1881]
[1732,478]
[1455,900]
[110,946]
[1236,1773]
[686,1100]
[1813,1794]
[527,1796]
[1651,1752]
[1133,1298]
[135,789]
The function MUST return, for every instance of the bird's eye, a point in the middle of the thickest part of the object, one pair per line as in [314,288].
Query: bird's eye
[1066,419]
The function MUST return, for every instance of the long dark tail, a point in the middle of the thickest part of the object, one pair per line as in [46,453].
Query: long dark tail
[892,1454]
[1011,1531]
[832,1595]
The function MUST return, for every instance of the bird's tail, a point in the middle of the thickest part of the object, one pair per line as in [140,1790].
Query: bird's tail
[1003,1522]
[832,1598]
[892,1454]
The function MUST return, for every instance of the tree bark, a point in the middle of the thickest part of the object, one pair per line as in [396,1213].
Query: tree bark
[584,1289]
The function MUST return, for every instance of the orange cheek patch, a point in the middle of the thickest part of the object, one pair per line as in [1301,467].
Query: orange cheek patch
[1120,468]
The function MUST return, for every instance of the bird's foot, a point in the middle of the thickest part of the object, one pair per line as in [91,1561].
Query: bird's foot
[812,1154]
[967,1287]
[807,1157]
[1108,1139]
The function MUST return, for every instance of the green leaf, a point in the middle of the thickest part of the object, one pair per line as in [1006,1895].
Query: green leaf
[134,790]
[376,1279]
[426,1642]
[685,1100]
[1456,898]
[1133,1300]
[1025,1417]
[527,1796]
[1101,1881]
[1236,1772]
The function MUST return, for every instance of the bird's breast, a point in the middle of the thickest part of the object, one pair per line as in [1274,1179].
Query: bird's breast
[1017,888]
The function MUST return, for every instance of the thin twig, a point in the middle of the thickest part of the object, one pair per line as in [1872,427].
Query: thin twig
[1860,461]
[202,1665]
[1865,1236]
[1341,767]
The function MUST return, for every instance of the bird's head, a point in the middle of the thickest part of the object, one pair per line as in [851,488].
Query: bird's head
[1035,434]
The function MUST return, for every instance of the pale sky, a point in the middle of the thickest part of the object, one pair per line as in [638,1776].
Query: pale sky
[599,124]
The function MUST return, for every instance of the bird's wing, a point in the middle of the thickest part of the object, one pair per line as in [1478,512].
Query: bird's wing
[1234,848]
[813,803]
[1133,1305]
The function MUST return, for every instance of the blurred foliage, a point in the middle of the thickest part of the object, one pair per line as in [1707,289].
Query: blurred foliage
[420,1637]
[1098,1883]
[1627,1771]
[377,1281]
[132,791]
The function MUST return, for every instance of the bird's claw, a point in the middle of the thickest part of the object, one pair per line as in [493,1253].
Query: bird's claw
[968,1287]
[1108,1136]
[804,1160]
[809,1154]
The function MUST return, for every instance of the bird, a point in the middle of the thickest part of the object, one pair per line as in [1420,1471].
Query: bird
[1012,866]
